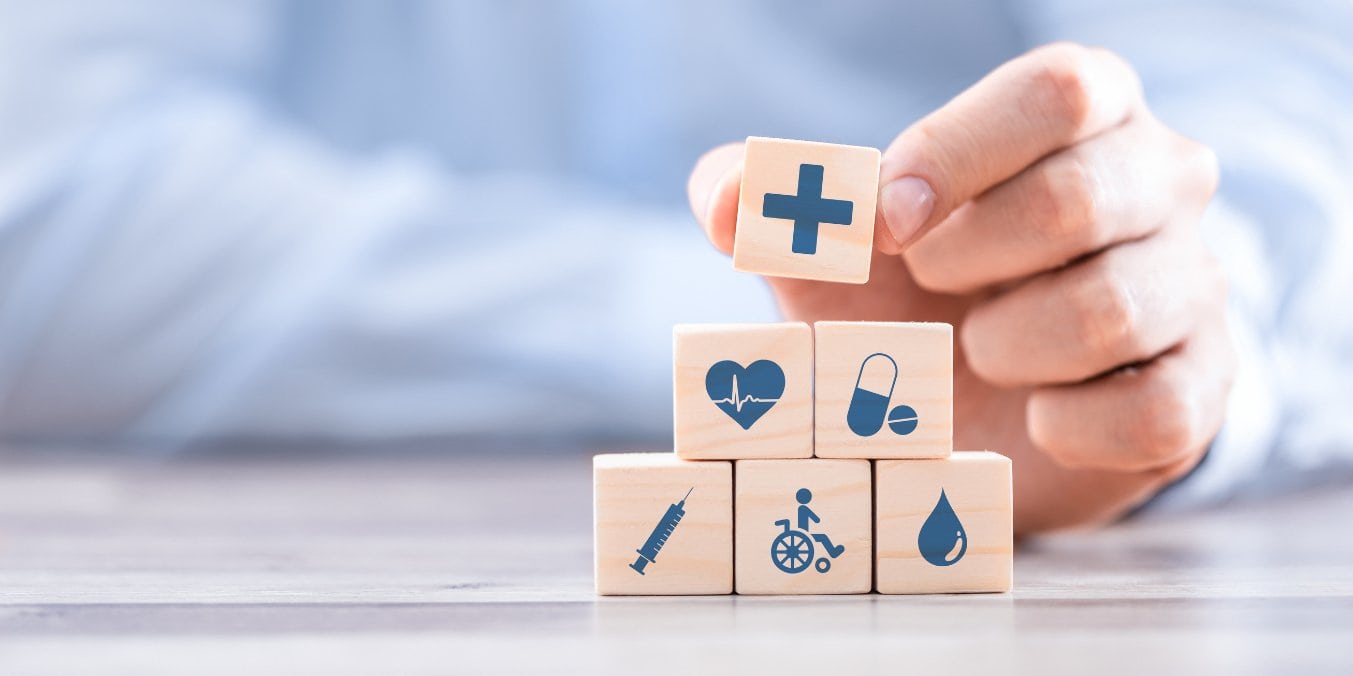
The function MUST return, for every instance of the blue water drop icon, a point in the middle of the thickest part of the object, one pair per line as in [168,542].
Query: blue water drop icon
[942,540]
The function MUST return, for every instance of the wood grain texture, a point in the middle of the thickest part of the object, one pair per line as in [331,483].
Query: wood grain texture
[702,430]
[763,245]
[765,493]
[477,558]
[632,493]
[924,357]
[977,484]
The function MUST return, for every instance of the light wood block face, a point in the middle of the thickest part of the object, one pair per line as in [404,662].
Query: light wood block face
[963,543]
[884,390]
[743,390]
[638,497]
[807,210]
[789,557]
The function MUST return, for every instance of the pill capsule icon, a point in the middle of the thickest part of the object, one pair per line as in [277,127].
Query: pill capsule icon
[873,390]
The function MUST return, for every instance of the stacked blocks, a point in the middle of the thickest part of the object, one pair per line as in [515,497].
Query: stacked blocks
[884,505]
[808,460]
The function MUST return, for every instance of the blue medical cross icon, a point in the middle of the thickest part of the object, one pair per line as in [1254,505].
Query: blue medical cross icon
[807,209]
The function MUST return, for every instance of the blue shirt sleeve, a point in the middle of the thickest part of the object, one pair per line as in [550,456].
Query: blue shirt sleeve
[180,261]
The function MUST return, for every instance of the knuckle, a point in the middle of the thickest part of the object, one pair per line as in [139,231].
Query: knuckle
[929,268]
[1103,312]
[1167,423]
[1198,170]
[1067,203]
[928,133]
[1179,468]
[1207,168]
[988,349]
[1041,419]
[1061,86]
[982,354]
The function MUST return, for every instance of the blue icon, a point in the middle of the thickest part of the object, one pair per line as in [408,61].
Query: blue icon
[807,209]
[869,403]
[792,550]
[649,552]
[942,540]
[745,394]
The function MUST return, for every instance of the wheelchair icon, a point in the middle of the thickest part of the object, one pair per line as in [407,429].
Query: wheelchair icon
[792,550]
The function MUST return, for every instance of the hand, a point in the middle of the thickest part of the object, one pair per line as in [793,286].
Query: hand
[1050,218]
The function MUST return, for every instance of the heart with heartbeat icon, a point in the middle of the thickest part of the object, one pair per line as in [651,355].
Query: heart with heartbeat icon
[745,393]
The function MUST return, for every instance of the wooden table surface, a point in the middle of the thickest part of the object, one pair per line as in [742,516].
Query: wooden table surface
[390,563]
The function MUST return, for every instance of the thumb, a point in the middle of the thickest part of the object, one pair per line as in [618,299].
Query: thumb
[713,193]
[1030,107]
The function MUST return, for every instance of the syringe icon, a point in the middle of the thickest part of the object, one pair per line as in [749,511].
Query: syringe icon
[649,552]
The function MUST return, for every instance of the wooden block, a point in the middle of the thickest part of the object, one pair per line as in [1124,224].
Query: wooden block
[796,519]
[884,390]
[661,525]
[743,390]
[944,525]
[807,210]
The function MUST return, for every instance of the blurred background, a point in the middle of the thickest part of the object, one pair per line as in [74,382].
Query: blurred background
[287,223]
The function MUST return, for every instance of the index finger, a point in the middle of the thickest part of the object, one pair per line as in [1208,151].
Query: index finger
[1034,105]
[713,193]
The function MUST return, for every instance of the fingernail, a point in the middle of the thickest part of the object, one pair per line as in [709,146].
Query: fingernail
[907,203]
